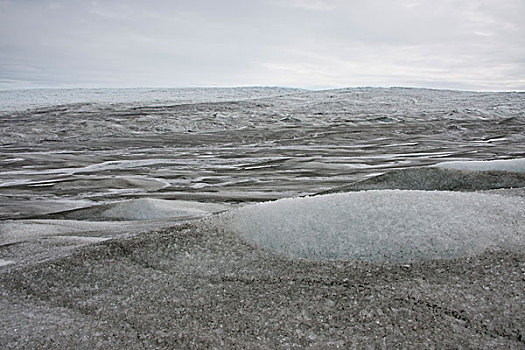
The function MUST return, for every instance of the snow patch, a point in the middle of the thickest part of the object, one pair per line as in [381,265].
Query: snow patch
[82,239]
[514,165]
[6,262]
[15,231]
[386,225]
[149,209]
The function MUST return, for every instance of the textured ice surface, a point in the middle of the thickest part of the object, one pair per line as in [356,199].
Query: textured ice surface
[5,262]
[386,225]
[196,286]
[515,165]
[17,231]
[437,178]
[237,144]
[148,209]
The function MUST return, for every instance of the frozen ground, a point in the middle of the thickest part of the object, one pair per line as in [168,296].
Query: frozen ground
[128,219]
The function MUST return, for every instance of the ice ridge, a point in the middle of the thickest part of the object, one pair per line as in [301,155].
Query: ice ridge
[384,225]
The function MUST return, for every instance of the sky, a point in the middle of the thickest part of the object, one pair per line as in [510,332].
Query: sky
[314,44]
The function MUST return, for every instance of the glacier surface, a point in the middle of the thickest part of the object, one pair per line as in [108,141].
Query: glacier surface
[386,225]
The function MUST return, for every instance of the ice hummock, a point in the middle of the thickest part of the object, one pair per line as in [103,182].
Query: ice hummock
[384,225]
[446,176]
[150,209]
[513,165]
[141,209]
[436,179]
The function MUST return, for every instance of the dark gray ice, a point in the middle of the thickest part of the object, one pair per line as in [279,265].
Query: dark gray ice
[242,149]
[112,207]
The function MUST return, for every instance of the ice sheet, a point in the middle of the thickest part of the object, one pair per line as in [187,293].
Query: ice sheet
[122,144]
[6,262]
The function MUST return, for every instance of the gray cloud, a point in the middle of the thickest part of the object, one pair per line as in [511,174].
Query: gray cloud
[477,44]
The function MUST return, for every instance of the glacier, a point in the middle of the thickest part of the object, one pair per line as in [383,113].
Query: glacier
[512,165]
[261,218]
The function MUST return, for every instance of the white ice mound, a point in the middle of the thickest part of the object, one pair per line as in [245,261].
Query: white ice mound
[385,225]
[514,165]
[150,209]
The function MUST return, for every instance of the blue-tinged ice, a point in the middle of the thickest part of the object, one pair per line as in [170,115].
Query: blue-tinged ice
[386,225]
[514,165]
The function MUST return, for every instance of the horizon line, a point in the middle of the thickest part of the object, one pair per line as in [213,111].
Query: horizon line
[313,89]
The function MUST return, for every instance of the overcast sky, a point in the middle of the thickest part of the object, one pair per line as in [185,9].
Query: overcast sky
[458,44]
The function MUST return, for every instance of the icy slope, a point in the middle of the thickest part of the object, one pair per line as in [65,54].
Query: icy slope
[148,209]
[141,209]
[386,225]
[513,165]
[437,179]
[447,176]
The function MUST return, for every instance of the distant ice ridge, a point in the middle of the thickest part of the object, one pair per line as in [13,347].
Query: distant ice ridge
[38,98]
[514,165]
[385,225]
